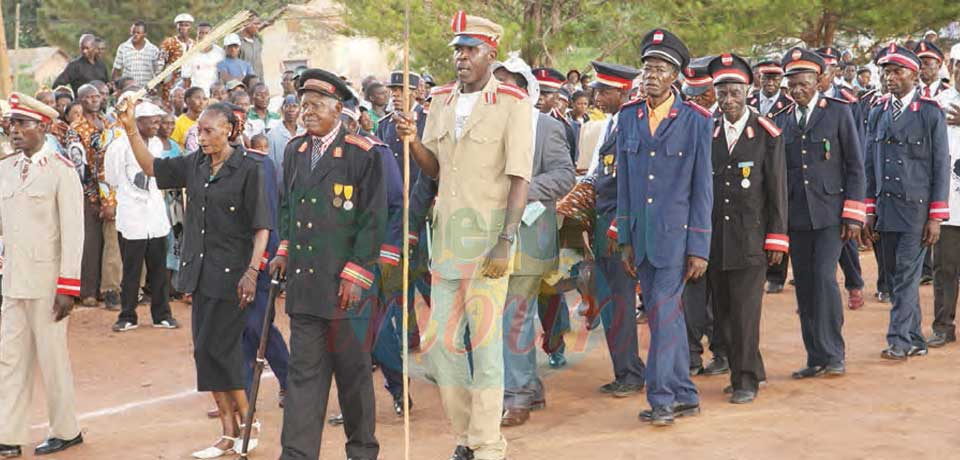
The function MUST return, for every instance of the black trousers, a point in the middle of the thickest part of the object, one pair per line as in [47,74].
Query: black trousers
[815,254]
[322,350]
[946,270]
[134,254]
[736,296]
[883,283]
[698,311]
[92,250]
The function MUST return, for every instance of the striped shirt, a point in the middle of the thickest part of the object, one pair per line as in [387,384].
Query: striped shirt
[141,65]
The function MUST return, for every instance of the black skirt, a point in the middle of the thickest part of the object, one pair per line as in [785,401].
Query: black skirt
[217,343]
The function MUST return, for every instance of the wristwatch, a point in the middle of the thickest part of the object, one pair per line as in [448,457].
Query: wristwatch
[508,238]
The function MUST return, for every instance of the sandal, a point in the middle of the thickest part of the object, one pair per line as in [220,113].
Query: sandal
[214,451]
[254,442]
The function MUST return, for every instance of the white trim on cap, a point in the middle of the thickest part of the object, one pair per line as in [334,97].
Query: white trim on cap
[662,55]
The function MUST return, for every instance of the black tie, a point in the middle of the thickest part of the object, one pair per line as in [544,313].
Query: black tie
[897,109]
[803,116]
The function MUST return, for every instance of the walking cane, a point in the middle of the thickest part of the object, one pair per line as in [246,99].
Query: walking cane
[260,362]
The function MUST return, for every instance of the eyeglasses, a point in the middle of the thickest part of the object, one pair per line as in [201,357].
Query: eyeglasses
[21,123]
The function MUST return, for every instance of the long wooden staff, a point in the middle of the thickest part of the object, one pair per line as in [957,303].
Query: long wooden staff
[406,239]
[230,25]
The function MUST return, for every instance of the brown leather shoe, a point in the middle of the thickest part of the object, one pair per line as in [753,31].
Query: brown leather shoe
[515,417]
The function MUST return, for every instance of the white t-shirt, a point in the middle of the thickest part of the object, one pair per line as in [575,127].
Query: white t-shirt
[141,214]
[947,99]
[465,105]
[955,52]
[202,69]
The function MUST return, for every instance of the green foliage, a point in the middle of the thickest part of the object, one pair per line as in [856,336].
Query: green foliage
[29,31]
[569,33]
[63,21]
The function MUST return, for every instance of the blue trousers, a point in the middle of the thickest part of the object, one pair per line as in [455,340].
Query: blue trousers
[850,264]
[277,354]
[617,296]
[814,255]
[523,388]
[668,361]
[905,254]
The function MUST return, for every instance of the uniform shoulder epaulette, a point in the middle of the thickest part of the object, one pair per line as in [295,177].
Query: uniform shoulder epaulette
[375,140]
[930,100]
[699,109]
[515,91]
[837,99]
[445,89]
[631,102]
[361,142]
[770,126]
[848,95]
[64,160]
[881,99]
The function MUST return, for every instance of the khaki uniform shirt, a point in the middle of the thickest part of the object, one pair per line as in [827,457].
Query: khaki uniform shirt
[41,221]
[496,142]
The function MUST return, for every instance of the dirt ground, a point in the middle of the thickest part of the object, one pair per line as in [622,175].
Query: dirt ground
[136,398]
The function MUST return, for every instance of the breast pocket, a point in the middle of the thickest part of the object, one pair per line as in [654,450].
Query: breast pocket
[917,148]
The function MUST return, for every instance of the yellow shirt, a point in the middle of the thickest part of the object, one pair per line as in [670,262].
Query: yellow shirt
[477,156]
[179,134]
[658,114]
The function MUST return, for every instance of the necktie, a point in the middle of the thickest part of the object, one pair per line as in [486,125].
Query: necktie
[316,152]
[926,92]
[803,117]
[606,134]
[731,138]
[897,109]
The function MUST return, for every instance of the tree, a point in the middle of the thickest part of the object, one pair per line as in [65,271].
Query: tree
[568,33]
[63,21]
[29,31]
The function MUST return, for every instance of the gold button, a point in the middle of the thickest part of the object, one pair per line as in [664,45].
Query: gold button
[226,270]
[309,224]
[298,224]
[649,200]
[298,271]
[311,271]
[653,154]
[298,247]
[650,177]
[232,209]
[726,217]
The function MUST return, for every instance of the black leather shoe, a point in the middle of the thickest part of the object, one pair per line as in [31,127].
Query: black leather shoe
[336,420]
[774,288]
[54,445]
[696,369]
[809,372]
[679,410]
[398,405]
[893,354]
[835,370]
[462,453]
[883,297]
[7,451]
[718,365]
[743,397]
[939,339]
[557,360]
[661,416]
[624,390]
[728,390]
[609,388]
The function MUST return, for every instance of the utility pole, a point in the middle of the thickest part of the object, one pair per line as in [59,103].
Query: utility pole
[5,81]
[16,34]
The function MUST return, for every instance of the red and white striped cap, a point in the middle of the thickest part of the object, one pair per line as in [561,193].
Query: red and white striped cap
[24,107]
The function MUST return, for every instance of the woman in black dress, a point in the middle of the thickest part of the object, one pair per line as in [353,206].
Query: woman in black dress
[226,226]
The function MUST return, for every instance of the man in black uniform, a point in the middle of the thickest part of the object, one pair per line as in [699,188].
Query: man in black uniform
[749,220]
[825,180]
[771,98]
[332,221]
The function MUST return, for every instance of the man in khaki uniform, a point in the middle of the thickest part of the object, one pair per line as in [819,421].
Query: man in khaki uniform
[41,222]
[478,141]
